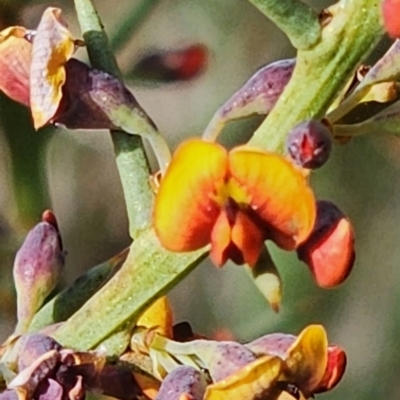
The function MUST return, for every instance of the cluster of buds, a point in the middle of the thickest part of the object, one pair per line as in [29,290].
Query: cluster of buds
[46,371]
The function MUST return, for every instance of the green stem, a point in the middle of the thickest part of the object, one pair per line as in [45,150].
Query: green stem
[149,272]
[131,158]
[323,70]
[131,23]
[298,20]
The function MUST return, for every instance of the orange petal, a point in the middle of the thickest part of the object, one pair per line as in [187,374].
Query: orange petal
[235,237]
[331,260]
[15,62]
[247,237]
[329,251]
[52,47]
[221,240]
[185,208]
[278,193]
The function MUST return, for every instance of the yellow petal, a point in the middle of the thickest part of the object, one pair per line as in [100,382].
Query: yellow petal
[52,47]
[158,315]
[256,379]
[278,193]
[307,358]
[186,207]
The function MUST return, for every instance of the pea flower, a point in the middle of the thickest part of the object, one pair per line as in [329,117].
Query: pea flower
[234,200]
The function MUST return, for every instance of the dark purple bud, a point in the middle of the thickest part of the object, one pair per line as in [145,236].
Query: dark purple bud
[257,96]
[260,93]
[29,378]
[32,346]
[221,358]
[90,97]
[49,389]
[309,144]
[183,380]
[9,394]
[37,268]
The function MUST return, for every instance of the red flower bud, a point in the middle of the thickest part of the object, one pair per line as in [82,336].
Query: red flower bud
[310,144]
[329,250]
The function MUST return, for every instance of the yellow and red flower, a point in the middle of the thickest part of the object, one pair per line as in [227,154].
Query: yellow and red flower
[234,200]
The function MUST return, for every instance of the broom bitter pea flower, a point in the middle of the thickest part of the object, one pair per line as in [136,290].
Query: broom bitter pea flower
[234,200]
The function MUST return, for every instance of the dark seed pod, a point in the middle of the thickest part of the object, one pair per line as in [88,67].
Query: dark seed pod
[309,144]
[329,251]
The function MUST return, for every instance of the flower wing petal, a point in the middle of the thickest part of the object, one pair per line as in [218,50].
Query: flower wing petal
[185,209]
[278,193]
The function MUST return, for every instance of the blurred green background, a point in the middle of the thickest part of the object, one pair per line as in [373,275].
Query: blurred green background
[74,174]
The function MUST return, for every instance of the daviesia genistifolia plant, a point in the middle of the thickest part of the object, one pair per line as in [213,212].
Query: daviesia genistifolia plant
[112,331]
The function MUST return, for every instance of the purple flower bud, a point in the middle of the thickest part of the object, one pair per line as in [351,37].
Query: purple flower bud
[310,144]
[183,380]
[32,346]
[37,268]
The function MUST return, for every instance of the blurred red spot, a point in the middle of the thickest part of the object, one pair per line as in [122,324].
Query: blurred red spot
[173,65]
[391,17]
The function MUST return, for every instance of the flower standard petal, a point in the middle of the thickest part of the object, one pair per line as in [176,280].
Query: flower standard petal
[278,193]
[187,203]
